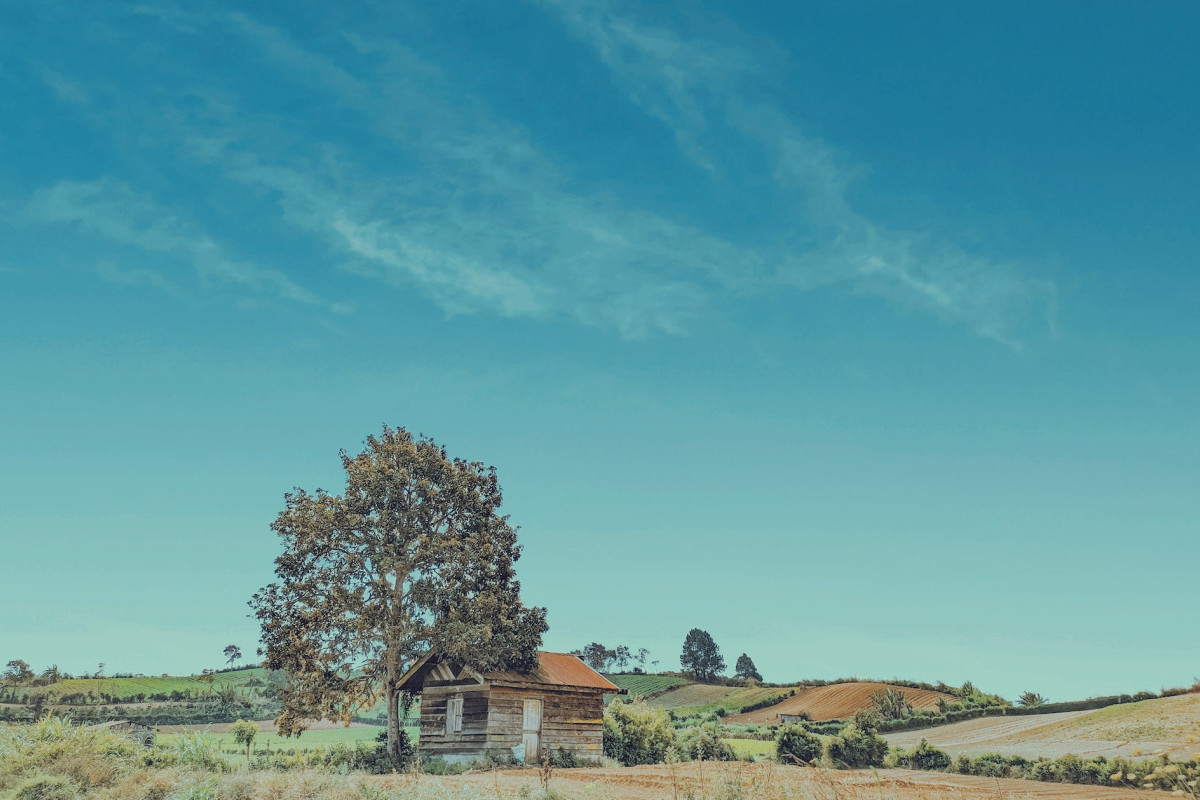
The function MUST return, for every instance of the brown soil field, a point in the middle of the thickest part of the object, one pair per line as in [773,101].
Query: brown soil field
[836,701]
[264,726]
[1132,730]
[757,781]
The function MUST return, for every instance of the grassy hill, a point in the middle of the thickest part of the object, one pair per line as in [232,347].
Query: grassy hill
[1149,728]
[701,698]
[640,685]
[129,689]
[835,701]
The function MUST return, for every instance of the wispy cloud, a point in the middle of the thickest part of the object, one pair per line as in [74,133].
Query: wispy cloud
[456,201]
[489,223]
[136,277]
[703,89]
[112,210]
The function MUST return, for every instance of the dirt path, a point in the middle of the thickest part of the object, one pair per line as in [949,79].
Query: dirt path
[759,782]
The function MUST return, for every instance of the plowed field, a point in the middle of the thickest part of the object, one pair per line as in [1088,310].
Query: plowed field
[837,701]
[1147,729]
[758,781]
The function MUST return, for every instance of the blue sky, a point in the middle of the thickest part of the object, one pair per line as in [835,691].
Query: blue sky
[863,336]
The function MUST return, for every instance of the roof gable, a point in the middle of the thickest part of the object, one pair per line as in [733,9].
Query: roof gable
[553,669]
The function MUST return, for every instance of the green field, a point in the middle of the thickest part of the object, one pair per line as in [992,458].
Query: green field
[699,698]
[642,685]
[126,688]
[308,739]
[752,747]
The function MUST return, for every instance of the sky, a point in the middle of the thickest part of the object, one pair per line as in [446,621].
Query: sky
[863,336]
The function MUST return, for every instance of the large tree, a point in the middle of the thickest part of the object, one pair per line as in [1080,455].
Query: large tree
[413,556]
[701,656]
[744,668]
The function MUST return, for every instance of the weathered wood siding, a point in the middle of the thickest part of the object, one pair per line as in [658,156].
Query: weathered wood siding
[571,720]
[471,741]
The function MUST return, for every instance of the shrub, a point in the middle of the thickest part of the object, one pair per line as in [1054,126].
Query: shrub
[634,733]
[436,765]
[194,749]
[890,703]
[796,745]
[857,747]
[704,743]
[923,756]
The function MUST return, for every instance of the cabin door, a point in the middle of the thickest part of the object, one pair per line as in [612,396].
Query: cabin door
[531,733]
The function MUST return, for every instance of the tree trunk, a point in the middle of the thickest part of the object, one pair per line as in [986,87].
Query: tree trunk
[393,712]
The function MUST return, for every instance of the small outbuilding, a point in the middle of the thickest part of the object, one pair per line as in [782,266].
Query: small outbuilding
[466,714]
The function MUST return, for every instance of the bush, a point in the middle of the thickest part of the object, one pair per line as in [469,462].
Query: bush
[704,743]
[634,733]
[923,756]
[857,747]
[436,765]
[796,745]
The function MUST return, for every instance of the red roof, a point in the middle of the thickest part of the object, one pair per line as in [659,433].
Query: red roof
[554,669]
[558,669]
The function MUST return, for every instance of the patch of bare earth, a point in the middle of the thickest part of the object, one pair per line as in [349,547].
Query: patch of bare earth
[1170,726]
[758,781]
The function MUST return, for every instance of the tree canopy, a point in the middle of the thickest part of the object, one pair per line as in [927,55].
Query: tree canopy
[413,556]
[701,657]
[744,668]
[232,653]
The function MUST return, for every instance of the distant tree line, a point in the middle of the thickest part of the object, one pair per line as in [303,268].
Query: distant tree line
[612,659]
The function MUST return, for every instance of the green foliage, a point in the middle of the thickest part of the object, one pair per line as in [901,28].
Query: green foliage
[890,704]
[701,657]
[232,653]
[616,659]
[194,749]
[436,765]
[770,701]
[637,734]
[923,756]
[244,733]
[704,743]
[1031,700]
[744,668]
[796,745]
[414,556]
[17,671]
[856,747]
[45,787]
[1177,777]
[641,685]
[53,745]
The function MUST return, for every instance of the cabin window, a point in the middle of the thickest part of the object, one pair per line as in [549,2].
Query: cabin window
[454,714]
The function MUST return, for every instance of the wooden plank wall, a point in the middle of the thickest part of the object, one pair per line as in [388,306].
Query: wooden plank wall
[571,720]
[472,739]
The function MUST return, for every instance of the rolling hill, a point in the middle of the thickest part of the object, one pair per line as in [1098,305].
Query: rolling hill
[1167,726]
[834,701]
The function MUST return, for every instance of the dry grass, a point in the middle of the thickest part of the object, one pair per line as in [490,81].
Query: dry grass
[54,760]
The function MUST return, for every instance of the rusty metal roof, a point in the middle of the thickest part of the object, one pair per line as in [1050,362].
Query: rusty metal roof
[559,669]
[553,669]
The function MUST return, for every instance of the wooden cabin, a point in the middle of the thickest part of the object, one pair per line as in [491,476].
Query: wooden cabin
[466,714]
